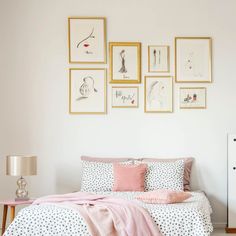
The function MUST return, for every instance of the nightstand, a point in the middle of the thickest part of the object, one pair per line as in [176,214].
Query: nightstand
[12,204]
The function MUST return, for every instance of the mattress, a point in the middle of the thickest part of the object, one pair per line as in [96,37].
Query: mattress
[191,218]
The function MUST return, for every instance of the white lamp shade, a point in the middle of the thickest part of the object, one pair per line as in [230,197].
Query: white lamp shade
[21,165]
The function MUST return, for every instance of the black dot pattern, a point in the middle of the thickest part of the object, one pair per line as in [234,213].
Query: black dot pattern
[47,220]
[98,176]
[164,175]
[190,218]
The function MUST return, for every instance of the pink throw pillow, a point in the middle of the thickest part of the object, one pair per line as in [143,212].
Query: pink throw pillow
[164,196]
[129,177]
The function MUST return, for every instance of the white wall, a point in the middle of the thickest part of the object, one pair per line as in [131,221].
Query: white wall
[34,115]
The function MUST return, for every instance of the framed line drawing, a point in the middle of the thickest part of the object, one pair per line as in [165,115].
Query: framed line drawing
[87,91]
[158,94]
[125,62]
[193,59]
[125,97]
[192,98]
[87,39]
[158,58]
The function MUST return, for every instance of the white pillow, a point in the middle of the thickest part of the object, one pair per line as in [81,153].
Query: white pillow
[164,175]
[97,176]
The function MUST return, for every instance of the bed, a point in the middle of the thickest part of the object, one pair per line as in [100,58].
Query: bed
[189,218]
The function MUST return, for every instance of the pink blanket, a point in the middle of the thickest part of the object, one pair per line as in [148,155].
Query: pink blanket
[107,216]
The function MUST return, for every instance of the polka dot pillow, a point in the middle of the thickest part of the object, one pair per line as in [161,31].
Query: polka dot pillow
[164,175]
[98,176]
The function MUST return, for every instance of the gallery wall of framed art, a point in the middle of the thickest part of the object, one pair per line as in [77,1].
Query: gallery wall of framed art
[88,86]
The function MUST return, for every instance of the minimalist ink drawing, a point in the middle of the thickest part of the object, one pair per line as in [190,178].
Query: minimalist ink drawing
[122,56]
[190,65]
[157,94]
[85,44]
[150,92]
[189,62]
[155,56]
[190,99]
[187,99]
[87,88]
[125,98]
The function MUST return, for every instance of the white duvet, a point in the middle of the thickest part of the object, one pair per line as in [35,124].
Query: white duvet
[191,218]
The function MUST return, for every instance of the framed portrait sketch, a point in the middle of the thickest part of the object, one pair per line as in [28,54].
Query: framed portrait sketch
[87,91]
[158,94]
[125,62]
[158,58]
[87,39]
[125,97]
[192,98]
[193,59]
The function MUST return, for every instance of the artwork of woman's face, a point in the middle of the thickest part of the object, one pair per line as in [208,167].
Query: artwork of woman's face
[87,42]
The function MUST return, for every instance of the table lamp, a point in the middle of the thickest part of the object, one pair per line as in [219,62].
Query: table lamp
[21,166]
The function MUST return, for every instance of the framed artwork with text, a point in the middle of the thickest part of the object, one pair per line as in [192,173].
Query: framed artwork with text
[125,62]
[125,96]
[87,39]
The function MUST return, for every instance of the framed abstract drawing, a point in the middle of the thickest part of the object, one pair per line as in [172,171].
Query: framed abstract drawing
[158,58]
[193,59]
[158,94]
[87,91]
[192,98]
[125,97]
[87,39]
[125,62]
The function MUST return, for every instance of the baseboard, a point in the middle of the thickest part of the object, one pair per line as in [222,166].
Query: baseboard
[230,230]
[219,225]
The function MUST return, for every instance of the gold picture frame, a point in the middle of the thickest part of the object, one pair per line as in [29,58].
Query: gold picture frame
[94,25]
[193,59]
[125,99]
[158,94]
[189,100]
[124,68]
[161,61]
[78,84]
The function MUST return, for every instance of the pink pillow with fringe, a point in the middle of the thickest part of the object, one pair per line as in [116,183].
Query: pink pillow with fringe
[164,196]
[129,177]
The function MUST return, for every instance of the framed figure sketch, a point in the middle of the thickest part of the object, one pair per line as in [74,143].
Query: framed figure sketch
[87,91]
[193,59]
[87,39]
[158,58]
[158,94]
[125,62]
